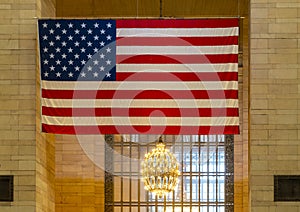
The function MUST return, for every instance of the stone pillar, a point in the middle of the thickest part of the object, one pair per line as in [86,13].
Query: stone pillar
[22,148]
[274,95]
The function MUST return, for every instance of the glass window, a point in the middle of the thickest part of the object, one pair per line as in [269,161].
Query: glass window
[203,181]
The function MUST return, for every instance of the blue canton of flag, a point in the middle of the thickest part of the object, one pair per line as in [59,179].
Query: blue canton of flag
[77,50]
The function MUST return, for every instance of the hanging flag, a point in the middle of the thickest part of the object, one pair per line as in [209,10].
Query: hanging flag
[139,76]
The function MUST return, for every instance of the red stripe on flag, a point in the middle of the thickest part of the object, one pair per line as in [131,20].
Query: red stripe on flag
[140,94]
[177,41]
[177,76]
[171,130]
[176,23]
[140,112]
[176,59]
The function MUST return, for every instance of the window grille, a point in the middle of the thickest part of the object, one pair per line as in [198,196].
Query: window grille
[206,180]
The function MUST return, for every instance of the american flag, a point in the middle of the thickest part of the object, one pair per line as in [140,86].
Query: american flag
[147,76]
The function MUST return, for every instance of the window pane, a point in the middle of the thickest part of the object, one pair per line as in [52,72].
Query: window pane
[134,209]
[143,209]
[221,189]
[126,209]
[212,209]
[212,188]
[126,189]
[117,188]
[203,209]
[134,190]
[203,189]
[160,209]
[221,209]
[203,159]
[117,209]
[195,189]
[143,192]
[152,209]
[212,159]
[195,159]
[221,159]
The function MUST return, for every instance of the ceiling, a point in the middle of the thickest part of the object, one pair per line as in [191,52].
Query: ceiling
[152,8]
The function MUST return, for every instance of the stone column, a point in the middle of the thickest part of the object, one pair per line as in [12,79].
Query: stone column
[274,95]
[23,151]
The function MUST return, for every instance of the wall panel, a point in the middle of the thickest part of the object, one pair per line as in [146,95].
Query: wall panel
[274,123]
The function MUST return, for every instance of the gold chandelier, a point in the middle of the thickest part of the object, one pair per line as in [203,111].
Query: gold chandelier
[160,170]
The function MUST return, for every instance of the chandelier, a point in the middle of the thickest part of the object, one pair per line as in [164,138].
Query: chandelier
[160,170]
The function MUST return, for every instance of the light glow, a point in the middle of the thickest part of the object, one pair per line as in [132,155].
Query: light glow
[160,170]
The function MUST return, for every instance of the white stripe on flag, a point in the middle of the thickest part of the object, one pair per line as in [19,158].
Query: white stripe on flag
[190,68]
[140,86]
[140,103]
[153,121]
[174,50]
[177,32]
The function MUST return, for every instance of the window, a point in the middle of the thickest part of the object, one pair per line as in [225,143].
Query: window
[206,180]
[6,188]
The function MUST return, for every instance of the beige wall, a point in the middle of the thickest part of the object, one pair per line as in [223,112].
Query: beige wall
[20,154]
[17,88]
[274,123]
[79,173]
